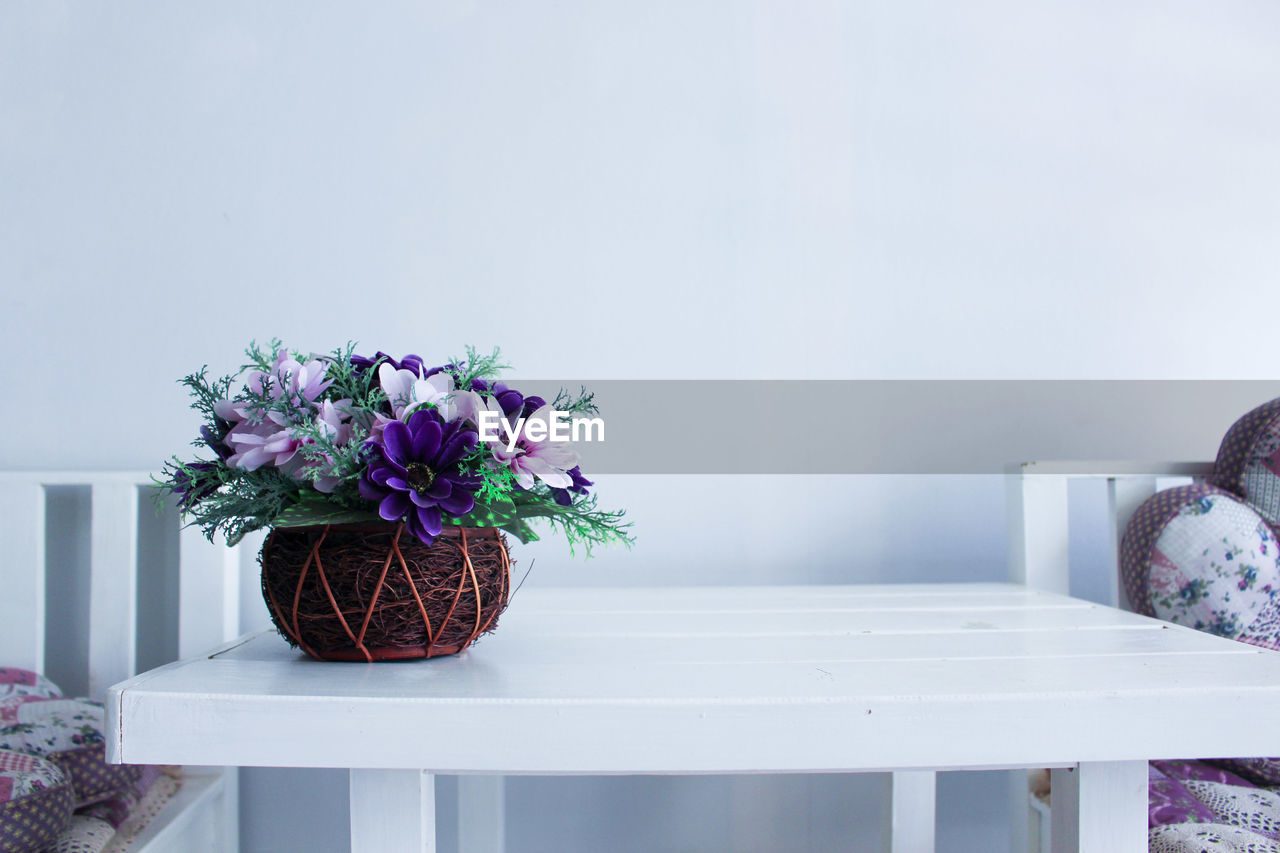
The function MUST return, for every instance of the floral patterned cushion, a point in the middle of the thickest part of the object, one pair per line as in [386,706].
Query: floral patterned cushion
[1248,462]
[36,799]
[24,682]
[68,732]
[1200,557]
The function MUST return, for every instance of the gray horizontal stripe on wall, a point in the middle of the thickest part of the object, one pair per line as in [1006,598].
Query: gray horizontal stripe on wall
[686,427]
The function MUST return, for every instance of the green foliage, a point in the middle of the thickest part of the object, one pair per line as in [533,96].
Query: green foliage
[581,522]
[315,508]
[476,366]
[582,403]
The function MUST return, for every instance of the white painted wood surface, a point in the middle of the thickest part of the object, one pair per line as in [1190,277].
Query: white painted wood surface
[876,677]
[393,811]
[700,680]
[204,815]
[482,802]
[1037,508]
[912,811]
[1100,807]
[1124,496]
[22,607]
[113,585]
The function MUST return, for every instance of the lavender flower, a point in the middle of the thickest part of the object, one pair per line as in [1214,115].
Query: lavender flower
[301,384]
[259,437]
[414,473]
[547,460]
[214,442]
[334,421]
[261,444]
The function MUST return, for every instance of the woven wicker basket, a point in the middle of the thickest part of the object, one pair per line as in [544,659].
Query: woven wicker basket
[366,592]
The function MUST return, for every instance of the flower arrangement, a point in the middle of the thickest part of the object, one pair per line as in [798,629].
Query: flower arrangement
[340,438]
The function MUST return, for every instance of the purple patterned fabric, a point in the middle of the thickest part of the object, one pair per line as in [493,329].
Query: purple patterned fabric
[1199,556]
[1250,444]
[1168,801]
[1206,556]
[92,777]
[9,675]
[1259,771]
[24,682]
[115,807]
[35,802]
[1264,631]
[1144,528]
[1184,770]
[69,733]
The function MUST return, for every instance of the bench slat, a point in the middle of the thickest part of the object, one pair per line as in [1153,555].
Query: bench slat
[22,610]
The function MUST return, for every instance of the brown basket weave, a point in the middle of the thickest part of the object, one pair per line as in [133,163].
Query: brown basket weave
[366,592]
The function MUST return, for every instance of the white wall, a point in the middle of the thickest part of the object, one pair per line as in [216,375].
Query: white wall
[639,190]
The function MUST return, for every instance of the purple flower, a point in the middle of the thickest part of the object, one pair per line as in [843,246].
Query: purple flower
[532,404]
[414,476]
[410,362]
[189,489]
[513,403]
[564,497]
[214,441]
[509,400]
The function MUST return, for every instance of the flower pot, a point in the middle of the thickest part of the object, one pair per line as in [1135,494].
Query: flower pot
[372,591]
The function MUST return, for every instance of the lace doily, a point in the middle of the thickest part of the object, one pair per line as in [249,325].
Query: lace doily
[1207,838]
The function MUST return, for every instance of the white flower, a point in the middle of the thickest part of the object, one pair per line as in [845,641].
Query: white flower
[408,391]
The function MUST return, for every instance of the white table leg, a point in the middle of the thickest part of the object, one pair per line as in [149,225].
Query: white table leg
[393,811]
[1023,837]
[1100,806]
[482,814]
[912,811]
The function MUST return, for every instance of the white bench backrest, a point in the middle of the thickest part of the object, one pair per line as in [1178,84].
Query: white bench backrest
[1038,515]
[119,504]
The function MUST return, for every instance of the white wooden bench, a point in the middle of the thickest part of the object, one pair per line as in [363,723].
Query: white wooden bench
[203,815]
[681,681]
[910,679]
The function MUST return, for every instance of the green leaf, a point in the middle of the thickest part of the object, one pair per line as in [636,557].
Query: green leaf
[322,512]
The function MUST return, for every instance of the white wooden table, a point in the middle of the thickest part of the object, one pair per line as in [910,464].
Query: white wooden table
[733,680]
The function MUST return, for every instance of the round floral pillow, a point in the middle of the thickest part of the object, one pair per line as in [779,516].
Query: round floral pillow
[36,800]
[1198,556]
[1207,555]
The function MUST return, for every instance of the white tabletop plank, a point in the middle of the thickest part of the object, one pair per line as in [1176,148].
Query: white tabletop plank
[816,596]
[795,679]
